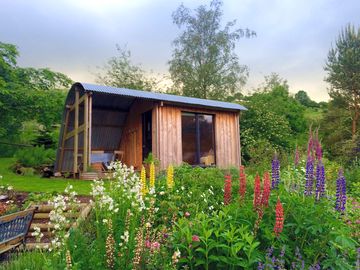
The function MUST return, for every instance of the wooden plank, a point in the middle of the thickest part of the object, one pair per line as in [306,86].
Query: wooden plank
[63,140]
[90,126]
[81,100]
[76,137]
[86,130]
[75,131]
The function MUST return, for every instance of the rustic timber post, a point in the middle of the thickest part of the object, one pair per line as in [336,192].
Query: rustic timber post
[90,126]
[76,136]
[64,138]
[86,132]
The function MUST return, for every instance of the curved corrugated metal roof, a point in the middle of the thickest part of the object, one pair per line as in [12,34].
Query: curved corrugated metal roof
[161,97]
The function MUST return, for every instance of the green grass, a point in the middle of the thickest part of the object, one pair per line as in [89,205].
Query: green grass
[37,184]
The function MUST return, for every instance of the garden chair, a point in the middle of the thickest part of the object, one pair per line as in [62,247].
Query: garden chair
[14,228]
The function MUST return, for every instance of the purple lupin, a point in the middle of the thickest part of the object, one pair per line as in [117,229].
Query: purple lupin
[309,176]
[275,172]
[340,203]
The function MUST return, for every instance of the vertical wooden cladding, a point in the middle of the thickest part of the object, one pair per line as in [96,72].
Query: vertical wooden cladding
[227,139]
[169,144]
[131,139]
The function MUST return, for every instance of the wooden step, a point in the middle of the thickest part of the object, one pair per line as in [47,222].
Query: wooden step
[44,226]
[46,208]
[46,234]
[89,176]
[33,246]
[46,215]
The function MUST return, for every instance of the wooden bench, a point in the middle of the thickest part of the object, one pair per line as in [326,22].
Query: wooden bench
[14,228]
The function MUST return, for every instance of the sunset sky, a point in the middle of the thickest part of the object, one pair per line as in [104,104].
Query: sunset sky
[76,37]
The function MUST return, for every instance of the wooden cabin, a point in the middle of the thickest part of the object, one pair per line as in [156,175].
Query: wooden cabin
[101,124]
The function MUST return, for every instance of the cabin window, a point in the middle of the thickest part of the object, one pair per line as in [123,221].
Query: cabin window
[198,143]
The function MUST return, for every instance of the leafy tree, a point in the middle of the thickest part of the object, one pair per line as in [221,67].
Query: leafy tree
[121,72]
[27,94]
[269,126]
[343,68]
[303,98]
[203,63]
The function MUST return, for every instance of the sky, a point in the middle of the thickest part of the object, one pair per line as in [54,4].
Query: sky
[77,37]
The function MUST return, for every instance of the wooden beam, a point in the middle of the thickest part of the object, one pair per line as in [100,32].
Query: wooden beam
[104,108]
[72,133]
[76,137]
[90,125]
[86,129]
[64,139]
[81,100]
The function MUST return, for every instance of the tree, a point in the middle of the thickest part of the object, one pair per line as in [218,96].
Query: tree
[27,94]
[343,68]
[203,62]
[265,126]
[303,98]
[121,72]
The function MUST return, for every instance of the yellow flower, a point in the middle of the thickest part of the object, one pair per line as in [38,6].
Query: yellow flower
[152,175]
[144,189]
[170,176]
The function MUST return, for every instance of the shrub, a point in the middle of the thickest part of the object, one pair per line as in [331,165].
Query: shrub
[35,156]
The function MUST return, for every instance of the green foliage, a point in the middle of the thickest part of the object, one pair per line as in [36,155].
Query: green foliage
[203,63]
[335,129]
[342,66]
[265,127]
[303,98]
[35,156]
[27,94]
[121,72]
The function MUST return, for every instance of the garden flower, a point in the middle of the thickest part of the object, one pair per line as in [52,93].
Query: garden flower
[170,177]
[309,175]
[266,190]
[175,258]
[275,172]
[68,260]
[110,247]
[257,192]
[187,214]
[227,190]
[195,238]
[318,150]
[340,192]
[155,245]
[152,176]
[310,143]
[144,189]
[242,183]
[279,222]
[320,180]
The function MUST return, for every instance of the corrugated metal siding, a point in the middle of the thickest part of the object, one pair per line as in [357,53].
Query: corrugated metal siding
[162,97]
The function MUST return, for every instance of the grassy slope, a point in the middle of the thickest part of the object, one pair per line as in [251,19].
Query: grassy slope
[36,183]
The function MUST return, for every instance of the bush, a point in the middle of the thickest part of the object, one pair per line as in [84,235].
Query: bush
[35,156]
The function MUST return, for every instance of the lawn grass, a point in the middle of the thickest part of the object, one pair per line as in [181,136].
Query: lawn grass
[35,183]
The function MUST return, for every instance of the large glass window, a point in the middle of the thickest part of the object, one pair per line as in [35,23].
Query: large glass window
[198,144]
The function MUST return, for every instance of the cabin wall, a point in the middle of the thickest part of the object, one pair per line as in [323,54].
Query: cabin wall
[169,136]
[131,139]
[169,143]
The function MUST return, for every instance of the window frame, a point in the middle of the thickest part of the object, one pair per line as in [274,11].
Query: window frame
[198,137]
